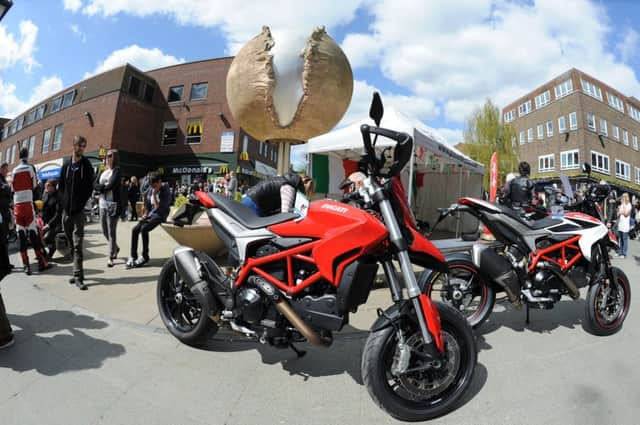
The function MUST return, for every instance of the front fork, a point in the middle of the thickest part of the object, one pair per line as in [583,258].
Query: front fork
[426,311]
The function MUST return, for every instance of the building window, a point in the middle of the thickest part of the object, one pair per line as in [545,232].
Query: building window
[134,86]
[616,133]
[199,91]
[623,170]
[55,105]
[46,139]
[591,121]
[591,89]
[543,99]
[569,160]
[12,128]
[149,91]
[57,137]
[32,146]
[599,162]
[31,117]
[175,93]
[68,98]
[564,88]
[522,141]
[13,154]
[5,133]
[562,124]
[635,142]
[20,123]
[603,127]
[40,112]
[510,116]
[194,131]
[615,102]
[625,137]
[637,174]
[546,163]
[530,135]
[170,133]
[573,121]
[540,131]
[549,128]
[524,109]
[633,112]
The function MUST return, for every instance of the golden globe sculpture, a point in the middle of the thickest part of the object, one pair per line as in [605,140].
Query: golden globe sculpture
[286,95]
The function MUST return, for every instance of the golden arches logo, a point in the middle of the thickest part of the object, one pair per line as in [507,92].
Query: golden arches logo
[194,128]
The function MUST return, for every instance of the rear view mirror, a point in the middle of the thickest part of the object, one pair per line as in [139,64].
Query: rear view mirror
[586,168]
[377,110]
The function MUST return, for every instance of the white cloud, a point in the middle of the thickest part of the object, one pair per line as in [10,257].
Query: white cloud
[11,104]
[72,5]
[20,50]
[628,47]
[239,21]
[78,32]
[140,57]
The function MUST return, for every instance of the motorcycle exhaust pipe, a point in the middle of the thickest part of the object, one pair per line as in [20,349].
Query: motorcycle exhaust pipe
[287,311]
[189,268]
[574,292]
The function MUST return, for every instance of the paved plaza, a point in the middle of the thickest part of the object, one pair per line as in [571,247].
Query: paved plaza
[102,356]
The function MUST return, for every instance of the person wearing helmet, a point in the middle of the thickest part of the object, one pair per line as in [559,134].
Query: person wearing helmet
[24,183]
[519,191]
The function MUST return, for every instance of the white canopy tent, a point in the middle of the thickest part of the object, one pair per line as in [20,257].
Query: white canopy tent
[444,173]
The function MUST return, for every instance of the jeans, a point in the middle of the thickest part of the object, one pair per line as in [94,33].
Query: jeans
[143,227]
[248,202]
[74,230]
[134,212]
[624,243]
[5,326]
[109,224]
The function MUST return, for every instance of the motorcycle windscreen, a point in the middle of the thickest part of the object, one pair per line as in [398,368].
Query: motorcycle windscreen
[566,186]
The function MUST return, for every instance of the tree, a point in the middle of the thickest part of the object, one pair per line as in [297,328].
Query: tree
[484,134]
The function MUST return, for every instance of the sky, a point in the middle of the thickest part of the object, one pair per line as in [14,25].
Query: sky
[434,60]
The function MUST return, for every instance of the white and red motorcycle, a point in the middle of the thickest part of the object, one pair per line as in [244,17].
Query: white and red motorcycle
[535,263]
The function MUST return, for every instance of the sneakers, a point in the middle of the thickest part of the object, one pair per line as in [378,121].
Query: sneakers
[7,342]
[131,263]
[80,284]
[141,261]
[110,263]
[27,270]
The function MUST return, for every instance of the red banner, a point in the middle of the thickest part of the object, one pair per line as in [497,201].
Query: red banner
[493,177]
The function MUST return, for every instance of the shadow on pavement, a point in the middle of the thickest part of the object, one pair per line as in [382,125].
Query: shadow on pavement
[34,351]
[567,313]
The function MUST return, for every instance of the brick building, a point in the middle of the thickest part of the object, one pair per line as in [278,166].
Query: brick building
[575,118]
[174,119]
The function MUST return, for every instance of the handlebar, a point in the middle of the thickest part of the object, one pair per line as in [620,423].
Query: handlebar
[402,152]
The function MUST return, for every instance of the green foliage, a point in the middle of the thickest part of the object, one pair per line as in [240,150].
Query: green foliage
[484,134]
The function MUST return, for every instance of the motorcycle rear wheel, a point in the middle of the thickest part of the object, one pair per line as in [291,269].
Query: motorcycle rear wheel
[465,292]
[424,394]
[180,312]
[608,304]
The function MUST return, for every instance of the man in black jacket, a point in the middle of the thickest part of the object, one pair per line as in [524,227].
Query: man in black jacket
[76,186]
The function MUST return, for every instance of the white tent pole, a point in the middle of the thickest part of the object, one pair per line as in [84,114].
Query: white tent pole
[413,150]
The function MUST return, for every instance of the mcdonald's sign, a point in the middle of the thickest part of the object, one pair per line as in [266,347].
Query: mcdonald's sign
[102,153]
[194,128]
[244,156]
[224,169]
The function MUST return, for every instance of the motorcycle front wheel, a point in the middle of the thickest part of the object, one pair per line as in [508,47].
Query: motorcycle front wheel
[180,312]
[425,390]
[608,304]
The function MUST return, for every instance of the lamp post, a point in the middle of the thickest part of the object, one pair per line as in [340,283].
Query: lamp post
[5,5]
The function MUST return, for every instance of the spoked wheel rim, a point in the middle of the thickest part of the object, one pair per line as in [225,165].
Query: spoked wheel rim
[464,292]
[179,304]
[610,303]
[421,384]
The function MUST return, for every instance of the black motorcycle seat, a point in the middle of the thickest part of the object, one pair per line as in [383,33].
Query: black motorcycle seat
[532,224]
[543,223]
[245,216]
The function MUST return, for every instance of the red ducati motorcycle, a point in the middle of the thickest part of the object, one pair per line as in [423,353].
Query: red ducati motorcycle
[298,277]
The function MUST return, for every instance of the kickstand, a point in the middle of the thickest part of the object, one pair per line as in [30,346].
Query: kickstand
[527,319]
[299,353]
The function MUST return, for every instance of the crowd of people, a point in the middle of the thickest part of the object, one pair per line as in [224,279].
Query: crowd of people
[60,215]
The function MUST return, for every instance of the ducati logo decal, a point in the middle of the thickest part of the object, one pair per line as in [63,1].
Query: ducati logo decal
[335,208]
